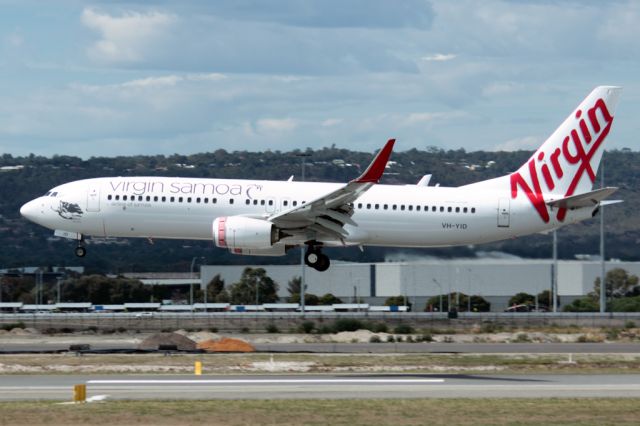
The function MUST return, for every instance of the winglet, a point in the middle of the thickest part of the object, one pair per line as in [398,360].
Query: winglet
[376,168]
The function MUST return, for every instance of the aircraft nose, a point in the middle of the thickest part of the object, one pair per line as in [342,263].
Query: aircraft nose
[30,210]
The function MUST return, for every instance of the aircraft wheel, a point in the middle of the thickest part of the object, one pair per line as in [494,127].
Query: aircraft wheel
[80,251]
[323,263]
[311,258]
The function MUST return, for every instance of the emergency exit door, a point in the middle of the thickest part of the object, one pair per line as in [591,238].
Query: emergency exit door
[504,214]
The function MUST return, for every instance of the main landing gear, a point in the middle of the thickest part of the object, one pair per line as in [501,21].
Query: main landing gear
[315,259]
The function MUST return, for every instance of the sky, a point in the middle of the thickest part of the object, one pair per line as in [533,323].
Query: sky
[112,78]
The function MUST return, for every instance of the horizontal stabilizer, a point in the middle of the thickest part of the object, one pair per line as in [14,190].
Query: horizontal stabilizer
[588,199]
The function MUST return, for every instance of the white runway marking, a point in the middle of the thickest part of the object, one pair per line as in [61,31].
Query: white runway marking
[262,381]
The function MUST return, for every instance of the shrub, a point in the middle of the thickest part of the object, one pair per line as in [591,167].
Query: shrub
[375,339]
[272,328]
[629,324]
[490,327]
[307,326]
[403,329]
[326,329]
[10,326]
[391,339]
[427,337]
[522,338]
[347,324]
[244,330]
[379,327]
[213,329]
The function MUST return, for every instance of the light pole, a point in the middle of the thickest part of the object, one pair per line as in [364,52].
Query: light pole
[440,287]
[193,263]
[303,157]
[554,277]
[603,287]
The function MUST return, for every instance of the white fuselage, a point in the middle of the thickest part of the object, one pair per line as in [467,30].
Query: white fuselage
[386,215]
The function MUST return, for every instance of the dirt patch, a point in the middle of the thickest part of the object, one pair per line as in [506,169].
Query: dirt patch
[226,345]
[160,340]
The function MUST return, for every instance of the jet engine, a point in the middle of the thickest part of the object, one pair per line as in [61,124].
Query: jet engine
[239,232]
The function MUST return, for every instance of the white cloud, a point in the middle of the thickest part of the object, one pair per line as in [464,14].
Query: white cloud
[126,38]
[429,117]
[276,125]
[527,143]
[14,40]
[439,57]
[330,122]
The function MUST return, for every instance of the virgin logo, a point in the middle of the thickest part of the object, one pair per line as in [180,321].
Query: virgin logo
[566,163]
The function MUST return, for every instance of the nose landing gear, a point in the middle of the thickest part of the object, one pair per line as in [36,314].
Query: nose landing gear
[80,251]
[314,258]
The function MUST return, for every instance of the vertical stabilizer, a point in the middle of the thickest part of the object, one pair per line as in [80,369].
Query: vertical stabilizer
[567,163]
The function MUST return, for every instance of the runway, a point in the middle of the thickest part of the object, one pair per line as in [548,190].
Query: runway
[361,386]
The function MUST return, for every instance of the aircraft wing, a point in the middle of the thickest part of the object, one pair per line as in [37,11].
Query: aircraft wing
[329,213]
[587,199]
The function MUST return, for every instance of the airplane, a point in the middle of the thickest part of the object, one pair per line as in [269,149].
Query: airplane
[267,218]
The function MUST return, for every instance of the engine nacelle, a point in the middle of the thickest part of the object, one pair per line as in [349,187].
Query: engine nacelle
[239,232]
[276,250]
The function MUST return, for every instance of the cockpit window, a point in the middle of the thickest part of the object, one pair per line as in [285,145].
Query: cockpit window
[54,194]
[47,194]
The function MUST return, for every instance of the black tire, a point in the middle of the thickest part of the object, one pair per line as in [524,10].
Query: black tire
[323,263]
[80,251]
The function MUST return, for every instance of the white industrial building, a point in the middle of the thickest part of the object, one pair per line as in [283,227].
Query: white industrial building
[494,279]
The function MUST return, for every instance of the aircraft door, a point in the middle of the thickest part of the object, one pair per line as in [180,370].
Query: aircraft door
[504,213]
[93,198]
[285,204]
[271,205]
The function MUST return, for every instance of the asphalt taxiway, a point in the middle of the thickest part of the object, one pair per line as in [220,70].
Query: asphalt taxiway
[142,387]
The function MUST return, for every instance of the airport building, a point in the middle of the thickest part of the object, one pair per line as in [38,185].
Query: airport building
[497,280]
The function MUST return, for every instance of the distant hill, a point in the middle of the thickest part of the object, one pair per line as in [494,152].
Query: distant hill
[24,178]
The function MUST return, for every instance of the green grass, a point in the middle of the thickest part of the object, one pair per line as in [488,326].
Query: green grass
[605,411]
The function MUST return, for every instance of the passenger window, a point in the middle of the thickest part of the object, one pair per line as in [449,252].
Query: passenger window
[124,198]
[155,198]
[402,207]
[441,208]
[377,206]
[410,208]
[214,200]
[386,206]
[109,197]
[285,203]
[270,202]
[206,200]
[189,200]
[247,202]
[139,197]
[295,203]
[231,201]
[449,209]
[148,198]
[172,199]
[457,209]
[262,202]
[473,209]
[198,200]
[368,206]
[179,199]
[464,210]
[395,207]
[418,208]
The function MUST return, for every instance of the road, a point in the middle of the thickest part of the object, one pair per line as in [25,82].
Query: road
[482,348]
[59,387]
